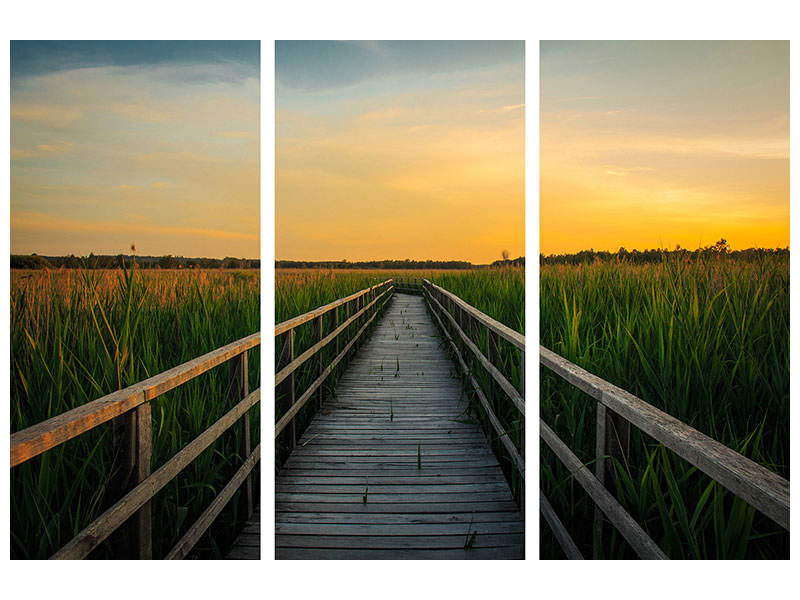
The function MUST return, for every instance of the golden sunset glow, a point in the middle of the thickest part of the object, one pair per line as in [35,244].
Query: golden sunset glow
[654,144]
[394,150]
[148,143]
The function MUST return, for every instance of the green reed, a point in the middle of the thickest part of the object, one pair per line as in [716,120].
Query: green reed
[705,341]
[78,335]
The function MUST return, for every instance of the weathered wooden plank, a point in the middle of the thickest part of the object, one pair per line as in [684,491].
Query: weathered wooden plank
[405,529]
[499,553]
[463,518]
[757,485]
[441,472]
[424,542]
[248,545]
[48,434]
[393,497]
[627,526]
[406,508]
[245,553]
[388,489]
[99,529]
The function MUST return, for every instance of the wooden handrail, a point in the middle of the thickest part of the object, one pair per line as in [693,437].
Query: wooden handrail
[493,328]
[642,544]
[34,440]
[130,410]
[513,337]
[292,366]
[501,380]
[286,363]
[502,434]
[757,485]
[318,312]
[99,529]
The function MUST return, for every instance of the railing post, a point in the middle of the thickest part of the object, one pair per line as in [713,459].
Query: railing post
[239,390]
[618,440]
[338,337]
[612,440]
[347,330]
[600,473]
[287,386]
[133,437]
[320,357]
[492,353]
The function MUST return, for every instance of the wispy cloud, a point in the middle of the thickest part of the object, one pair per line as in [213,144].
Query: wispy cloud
[180,142]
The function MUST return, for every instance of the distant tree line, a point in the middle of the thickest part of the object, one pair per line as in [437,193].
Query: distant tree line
[115,261]
[393,264]
[375,264]
[721,248]
[517,262]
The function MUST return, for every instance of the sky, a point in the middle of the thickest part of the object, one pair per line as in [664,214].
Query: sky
[395,150]
[655,144]
[152,144]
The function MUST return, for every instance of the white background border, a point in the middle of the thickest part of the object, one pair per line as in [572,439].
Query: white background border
[413,19]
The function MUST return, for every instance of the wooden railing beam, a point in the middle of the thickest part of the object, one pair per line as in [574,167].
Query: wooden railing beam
[758,486]
[633,533]
[99,529]
[34,440]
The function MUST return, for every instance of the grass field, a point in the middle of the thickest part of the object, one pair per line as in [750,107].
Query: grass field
[705,341]
[500,293]
[78,335]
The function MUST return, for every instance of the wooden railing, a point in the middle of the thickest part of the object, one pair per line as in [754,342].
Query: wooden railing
[343,333]
[130,411]
[758,486]
[408,285]
[461,324]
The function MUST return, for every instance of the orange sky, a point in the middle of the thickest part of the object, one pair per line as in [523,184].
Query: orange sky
[653,144]
[155,144]
[394,150]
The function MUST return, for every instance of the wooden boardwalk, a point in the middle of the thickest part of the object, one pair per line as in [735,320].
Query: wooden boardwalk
[393,466]
[248,545]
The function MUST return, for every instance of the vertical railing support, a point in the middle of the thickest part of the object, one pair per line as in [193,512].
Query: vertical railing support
[286,388]
[492,353]
[133,437]
[240,387]
[600,473]
[320,357]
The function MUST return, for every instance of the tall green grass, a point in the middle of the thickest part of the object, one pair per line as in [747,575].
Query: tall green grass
[705,341]
[78,335]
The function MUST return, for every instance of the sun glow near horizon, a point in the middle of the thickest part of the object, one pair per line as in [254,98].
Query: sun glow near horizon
[394,150]
[655,144]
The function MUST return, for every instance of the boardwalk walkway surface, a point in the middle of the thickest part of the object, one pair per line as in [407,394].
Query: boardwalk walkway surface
[393,466]
[248,545]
